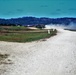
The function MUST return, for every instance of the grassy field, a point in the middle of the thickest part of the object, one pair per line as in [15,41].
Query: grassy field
[23,34]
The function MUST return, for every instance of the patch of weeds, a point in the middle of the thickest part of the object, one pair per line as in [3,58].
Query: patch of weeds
[3,57]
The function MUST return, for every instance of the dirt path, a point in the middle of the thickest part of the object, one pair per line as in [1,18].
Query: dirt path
[56,56]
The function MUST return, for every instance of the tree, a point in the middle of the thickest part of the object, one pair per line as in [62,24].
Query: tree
[40,26]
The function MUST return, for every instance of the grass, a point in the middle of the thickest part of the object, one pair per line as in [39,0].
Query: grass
[24,36]
[13,28]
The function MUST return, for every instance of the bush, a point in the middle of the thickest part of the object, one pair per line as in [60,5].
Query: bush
[40,26]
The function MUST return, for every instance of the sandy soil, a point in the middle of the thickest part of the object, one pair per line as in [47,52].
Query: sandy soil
[55,56]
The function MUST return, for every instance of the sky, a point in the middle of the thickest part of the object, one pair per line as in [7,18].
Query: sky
[37,8]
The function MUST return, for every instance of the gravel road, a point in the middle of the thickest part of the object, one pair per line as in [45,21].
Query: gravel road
[55,56]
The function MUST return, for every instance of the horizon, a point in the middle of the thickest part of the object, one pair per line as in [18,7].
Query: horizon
[37,17]
[37,8]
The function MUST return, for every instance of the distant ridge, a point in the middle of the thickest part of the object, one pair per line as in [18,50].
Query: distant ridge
[35,21]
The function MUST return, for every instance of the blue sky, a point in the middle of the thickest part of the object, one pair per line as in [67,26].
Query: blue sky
[38,8]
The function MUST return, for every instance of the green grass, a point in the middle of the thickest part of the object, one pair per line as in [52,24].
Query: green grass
[13,28]
[23,36]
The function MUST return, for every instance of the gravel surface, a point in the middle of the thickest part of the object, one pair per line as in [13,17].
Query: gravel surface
[55,56]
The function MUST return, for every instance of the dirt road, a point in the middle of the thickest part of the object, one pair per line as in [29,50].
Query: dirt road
[55,56]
